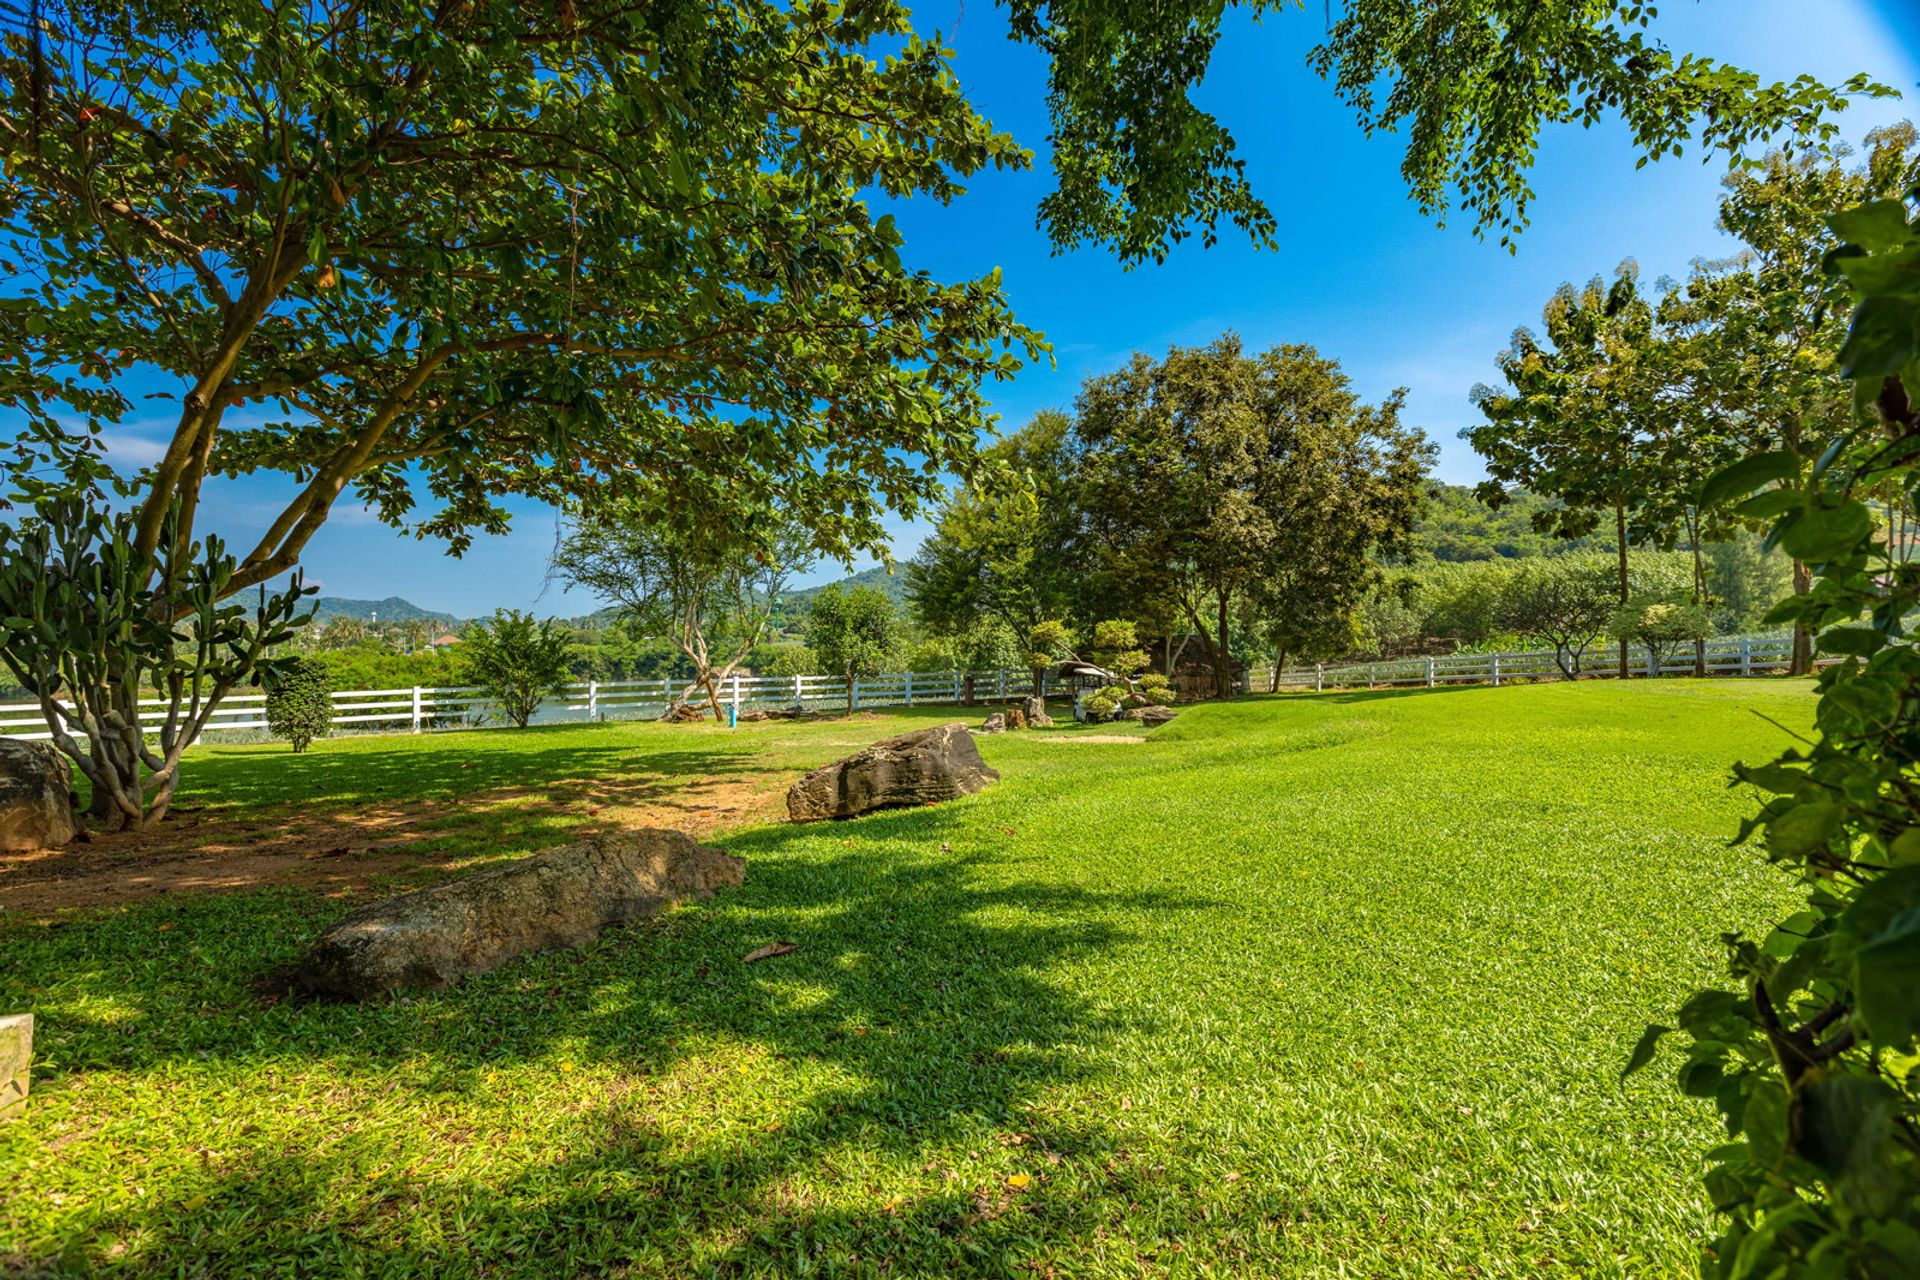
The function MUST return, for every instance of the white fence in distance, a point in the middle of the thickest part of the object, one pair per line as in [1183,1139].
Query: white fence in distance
[1731,656]
[423,710]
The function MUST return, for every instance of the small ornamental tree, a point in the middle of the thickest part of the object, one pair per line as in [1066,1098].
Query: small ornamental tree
[300,701]
[1567,601]
[852,631]
[1046,645]
[517,661]
[1659,626]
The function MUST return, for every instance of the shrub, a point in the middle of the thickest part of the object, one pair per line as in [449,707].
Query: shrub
[299,701]
[1104,702]
[517,661]
[1156,687]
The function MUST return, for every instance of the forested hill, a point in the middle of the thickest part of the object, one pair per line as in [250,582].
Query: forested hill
[893,585]
[391,609]
[1458,526]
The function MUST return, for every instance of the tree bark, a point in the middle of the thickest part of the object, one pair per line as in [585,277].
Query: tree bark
[1802,663]
[1223,668]
[1620,545]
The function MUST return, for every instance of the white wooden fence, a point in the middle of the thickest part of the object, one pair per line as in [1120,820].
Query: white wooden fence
[1730,656]
[421,710]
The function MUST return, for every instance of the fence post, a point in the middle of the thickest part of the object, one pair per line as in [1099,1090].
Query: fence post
[856,693]
[1002,674]
[1429,673]
[1496,671]
[1319,677]
[1746,655]
[909,688]
[736,695]
[799,691]
[593,699]
[1652,670]
[416,708]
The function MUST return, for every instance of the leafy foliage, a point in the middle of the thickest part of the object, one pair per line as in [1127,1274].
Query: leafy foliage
[1812,1062]
[573,253]
[516,661]
[1470,84]
[299,701]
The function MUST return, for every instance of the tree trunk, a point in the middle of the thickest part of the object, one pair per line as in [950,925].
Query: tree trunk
[1626,591]
[1279,661]
[851,678]
[1699,598]
[1802,663]
[713,697]
[1223,667]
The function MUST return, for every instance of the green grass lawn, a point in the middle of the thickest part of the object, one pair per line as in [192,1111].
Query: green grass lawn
[1299,986]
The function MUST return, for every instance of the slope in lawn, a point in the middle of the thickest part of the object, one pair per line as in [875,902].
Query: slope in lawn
[1297,986]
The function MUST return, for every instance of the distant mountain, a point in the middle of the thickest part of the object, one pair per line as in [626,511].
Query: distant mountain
[392,609]
[894,585]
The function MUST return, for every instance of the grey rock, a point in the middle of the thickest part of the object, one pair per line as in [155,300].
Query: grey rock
[558,898]
[995,723]
[923,767]
[1036,711]
[36,796]
[1149,716]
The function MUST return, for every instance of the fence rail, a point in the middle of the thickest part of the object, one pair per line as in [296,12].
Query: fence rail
[1733,656]
[424,710]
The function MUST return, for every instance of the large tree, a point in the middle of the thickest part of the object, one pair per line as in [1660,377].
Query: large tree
[1006,548]
[711,592]
[443,253]
[1567,423]
[1763,326]
[1214,477]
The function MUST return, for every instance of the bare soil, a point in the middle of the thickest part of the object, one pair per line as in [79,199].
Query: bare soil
[341,852]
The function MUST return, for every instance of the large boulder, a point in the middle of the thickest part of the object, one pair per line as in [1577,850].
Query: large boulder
[560,898]
[36,796]
[995,723]
[1150,716]
[1036,709]
[923,767]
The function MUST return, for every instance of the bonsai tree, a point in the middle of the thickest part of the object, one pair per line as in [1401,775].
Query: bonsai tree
[300,702]
[517,661]
[1660,625]
[1046,644]
[852,632]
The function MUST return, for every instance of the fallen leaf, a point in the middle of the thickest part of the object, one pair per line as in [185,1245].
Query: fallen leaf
[767,952]
[945,847]
[1020,1182]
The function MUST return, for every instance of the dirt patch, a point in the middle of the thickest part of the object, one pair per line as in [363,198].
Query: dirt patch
[1086,737]
[339,852]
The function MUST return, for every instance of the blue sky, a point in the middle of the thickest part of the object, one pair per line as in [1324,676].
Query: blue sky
[1359,272]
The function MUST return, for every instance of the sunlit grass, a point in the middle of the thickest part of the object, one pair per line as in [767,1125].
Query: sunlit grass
[1298,986]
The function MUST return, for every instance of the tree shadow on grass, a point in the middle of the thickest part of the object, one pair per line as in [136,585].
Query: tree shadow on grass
[919,1015]
[443,771]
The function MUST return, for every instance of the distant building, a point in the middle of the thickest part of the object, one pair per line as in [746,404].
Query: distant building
[446,642]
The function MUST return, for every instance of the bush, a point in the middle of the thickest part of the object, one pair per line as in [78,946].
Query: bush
[517,661]
[1156,687]
[299,701]
[1103,703]
[784,661]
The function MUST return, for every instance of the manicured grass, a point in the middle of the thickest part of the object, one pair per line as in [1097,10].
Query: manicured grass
[1310,985]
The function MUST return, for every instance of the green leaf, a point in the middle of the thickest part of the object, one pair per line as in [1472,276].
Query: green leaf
[1803,828]
[1822,534]
[1856,641]
[1880,224]
[1748,474]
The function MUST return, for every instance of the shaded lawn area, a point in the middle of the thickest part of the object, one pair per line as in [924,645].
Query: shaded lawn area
[1301,985]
